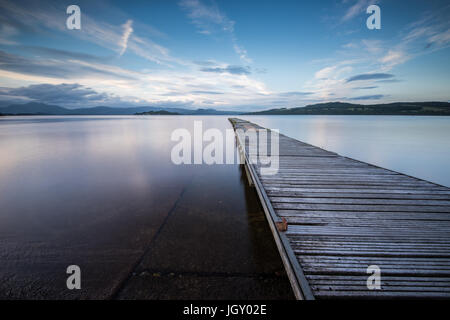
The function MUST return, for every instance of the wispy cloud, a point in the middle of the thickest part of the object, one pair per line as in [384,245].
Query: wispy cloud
[389,81]
[209,18]
[365,88]
[369,97]
[431,28]
[358,7]
[295,93]
[229,69]
[441,38]
[118,38]
[242,53]
[374,58]
[6,33]
[429,33]
[325,72]
[74,95]
[56,94]
[127,31]
[58,54]
[206,92]
[229,85]
[133,60]
[370,76]
[373,46]
[393,58]
[64,68]
[205,17]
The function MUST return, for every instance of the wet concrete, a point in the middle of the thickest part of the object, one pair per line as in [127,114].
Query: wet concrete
[208,249]
[103,194]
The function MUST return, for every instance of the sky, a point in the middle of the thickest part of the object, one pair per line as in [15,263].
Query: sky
[223,54]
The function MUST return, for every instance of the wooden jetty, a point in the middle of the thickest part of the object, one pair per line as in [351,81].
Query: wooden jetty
[345,215]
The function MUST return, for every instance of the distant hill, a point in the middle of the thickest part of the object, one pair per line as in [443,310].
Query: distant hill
[157,113]
[34,108]
[342,108]
[331,108]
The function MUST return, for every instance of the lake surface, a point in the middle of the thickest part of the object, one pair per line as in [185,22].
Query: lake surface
[417,146]
[102,192]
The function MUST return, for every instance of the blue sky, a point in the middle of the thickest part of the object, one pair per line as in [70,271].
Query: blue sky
[234,55]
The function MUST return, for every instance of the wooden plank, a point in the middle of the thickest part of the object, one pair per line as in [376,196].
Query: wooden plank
[356,207]
[421,202]
[344,215]
[421,191]
[344,195]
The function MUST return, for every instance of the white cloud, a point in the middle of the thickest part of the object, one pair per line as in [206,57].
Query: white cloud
[350,45]
[242,53]
[329,82]
[393,58]
[418,33]
[110,36]
[431,31]
[325,72]
[127,31]
[373,46]
[208,18]
[189,86]
[441,39]
[358,7]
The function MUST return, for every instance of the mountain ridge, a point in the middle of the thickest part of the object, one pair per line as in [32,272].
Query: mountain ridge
[328,108]
[345,108]
[36,108]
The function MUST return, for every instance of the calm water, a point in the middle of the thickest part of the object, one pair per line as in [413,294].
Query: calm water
[102,193]
[417,146]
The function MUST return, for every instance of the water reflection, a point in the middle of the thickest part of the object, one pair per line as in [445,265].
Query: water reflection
[417,146]
[102,193]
